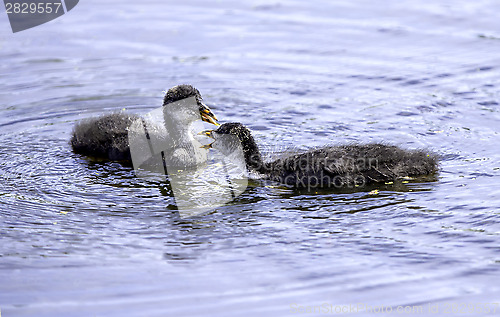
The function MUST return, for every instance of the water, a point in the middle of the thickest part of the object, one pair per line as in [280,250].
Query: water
[85,238]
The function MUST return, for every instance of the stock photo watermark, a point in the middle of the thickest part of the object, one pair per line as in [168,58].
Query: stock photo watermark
[446,308]
[26,14]
[162,144]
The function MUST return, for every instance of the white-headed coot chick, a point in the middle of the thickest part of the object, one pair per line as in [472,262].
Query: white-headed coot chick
[331,166]
[107,136]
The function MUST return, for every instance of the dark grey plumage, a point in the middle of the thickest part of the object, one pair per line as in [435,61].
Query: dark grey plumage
[180,92]
[107,136]
[333,166]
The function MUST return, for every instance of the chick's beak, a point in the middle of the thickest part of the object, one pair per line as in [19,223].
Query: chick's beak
[207,133]
[207,115]
[206,146]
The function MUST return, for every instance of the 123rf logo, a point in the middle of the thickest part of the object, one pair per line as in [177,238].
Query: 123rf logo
[25,14]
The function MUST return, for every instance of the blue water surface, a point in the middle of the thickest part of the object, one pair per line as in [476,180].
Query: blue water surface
[86,238]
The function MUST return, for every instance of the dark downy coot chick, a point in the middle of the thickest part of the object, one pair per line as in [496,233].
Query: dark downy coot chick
[107,136]
[332,166]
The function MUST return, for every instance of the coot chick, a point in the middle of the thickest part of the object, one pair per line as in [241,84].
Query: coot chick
[107,136]
[331,166]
